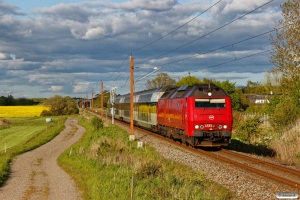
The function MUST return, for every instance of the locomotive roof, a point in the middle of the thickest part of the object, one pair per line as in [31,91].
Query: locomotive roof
[194,90]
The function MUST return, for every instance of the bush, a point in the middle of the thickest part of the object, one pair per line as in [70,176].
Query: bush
[284,114]
[97,123]
[46,113]
[249,129]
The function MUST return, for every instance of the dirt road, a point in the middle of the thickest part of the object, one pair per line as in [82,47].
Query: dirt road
[36,174]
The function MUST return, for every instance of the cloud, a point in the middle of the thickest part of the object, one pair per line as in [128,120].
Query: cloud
[95,33]
[56,88]
[153,5]
[80,88]
[5,92]
[63,48]
[67,12]
[8,9]
[13,56]
[2,56]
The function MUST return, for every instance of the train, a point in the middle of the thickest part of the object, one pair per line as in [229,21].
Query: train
[197,115]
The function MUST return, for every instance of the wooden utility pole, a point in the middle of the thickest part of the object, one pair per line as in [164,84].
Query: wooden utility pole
[87,101]
[92,100]
[131,137]
[102,97]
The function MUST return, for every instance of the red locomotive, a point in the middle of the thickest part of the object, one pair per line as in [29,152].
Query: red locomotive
[198,115]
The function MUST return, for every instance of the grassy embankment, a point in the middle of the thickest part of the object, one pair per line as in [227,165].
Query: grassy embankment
[104,163]
[25,134]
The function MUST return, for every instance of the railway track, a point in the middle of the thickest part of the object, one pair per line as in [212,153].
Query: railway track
[244,162]
[269,167]
[268,170]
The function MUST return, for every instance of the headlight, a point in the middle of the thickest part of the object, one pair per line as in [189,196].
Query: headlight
[209,94]
[225,126]
[196,126]
[220,126]
[201,126]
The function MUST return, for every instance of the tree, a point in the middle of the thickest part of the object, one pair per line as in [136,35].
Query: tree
[188,80]
[235,94]
[286,49]
[23,101]
[10,101]
[284,113]
[255,88]
[62,105]
[286,59]
[2,101]
[162,79]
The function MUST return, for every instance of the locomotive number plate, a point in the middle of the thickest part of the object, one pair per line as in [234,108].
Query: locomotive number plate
[208,125]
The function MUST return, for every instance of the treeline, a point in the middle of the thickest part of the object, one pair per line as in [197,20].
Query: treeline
[10,101]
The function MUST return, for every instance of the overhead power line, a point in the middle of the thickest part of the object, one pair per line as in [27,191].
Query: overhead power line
[118,67]
[234,60]
[196,40]
[176,28]
[206,33]
[190,57]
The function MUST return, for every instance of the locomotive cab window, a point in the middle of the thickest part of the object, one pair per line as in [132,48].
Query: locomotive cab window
[210,103]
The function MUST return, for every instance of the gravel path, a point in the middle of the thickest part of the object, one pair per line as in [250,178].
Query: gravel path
[36,174]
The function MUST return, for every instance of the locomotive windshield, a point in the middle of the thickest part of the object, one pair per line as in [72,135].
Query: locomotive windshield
[210,103]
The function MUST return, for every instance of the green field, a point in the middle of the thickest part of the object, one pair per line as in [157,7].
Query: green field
[20,131]
[25,134]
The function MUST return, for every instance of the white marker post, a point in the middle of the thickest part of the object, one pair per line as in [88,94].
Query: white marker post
[112,101]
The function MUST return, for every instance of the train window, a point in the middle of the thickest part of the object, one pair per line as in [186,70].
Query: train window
[210,103]
[178,104]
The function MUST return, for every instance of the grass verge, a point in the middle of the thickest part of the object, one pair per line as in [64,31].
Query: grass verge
[23,135]
[105,165]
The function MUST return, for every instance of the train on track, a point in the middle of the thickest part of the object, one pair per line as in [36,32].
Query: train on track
[197,115]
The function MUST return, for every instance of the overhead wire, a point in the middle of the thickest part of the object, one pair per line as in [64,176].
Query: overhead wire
[176,28]
[230,61]
[206,33]
[229,45]
[195,39]
[119,66]
[167,34]
[190,57]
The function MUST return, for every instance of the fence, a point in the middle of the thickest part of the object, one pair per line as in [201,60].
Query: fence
[263,116]
[293,127]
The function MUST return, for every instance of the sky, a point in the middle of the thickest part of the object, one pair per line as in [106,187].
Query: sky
[68,48]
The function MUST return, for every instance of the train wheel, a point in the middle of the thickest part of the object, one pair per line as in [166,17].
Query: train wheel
[184,140]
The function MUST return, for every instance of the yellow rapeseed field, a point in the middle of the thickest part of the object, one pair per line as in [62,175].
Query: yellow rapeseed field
[21,111]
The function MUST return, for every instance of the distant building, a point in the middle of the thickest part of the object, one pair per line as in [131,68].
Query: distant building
[259,98]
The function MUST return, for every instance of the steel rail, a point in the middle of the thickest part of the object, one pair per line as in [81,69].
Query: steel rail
[291,171]
[257,171]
